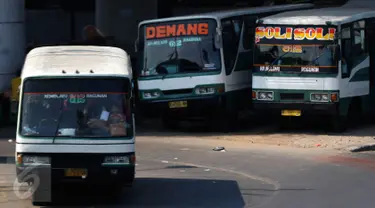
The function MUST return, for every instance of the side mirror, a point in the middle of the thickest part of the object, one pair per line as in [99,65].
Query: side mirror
[132,103]
[218,39]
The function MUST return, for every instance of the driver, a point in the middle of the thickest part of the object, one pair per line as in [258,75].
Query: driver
[114,124]
[271,55]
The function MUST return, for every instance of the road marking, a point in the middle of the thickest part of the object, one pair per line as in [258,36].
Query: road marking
[276,185]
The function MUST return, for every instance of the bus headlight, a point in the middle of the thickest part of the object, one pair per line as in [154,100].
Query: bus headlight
[205,90]
[264,95]
[116,160]
[34,160]
[150,95]
[209,90]
[319,97]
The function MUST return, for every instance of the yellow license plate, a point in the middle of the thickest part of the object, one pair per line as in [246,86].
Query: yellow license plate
[291,113]
[178,104]
[75,172]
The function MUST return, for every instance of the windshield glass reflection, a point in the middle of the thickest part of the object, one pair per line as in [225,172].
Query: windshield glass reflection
[183,51]
[69,108]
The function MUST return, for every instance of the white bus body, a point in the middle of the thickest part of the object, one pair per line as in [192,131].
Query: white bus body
[61,88]
[199,65]
[326,66]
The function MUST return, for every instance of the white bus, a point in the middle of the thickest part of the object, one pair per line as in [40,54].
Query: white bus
[316,62]
[199,65]
[76,123]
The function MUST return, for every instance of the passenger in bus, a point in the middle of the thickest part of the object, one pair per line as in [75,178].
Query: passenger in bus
[324,57]
[114,123]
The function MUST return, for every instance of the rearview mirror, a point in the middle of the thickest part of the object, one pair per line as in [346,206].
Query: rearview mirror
[218,38]
[132,104]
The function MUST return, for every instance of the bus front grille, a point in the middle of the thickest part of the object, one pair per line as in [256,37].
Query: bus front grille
[176,92]
[292,96]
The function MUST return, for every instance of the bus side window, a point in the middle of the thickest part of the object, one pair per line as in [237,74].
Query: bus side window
[346,46]
[359,49]
[230,44]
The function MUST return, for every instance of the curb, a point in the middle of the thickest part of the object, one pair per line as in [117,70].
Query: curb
[362,148]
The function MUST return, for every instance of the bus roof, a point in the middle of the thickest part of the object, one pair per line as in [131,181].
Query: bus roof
[53,61]
[336,15]
[235,12]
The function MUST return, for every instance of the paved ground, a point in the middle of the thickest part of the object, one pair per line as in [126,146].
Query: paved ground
[186,172]
[300,134]
[178,168]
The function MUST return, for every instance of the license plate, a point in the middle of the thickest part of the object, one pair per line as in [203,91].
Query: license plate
[291,113]
[75,172]
[178,104]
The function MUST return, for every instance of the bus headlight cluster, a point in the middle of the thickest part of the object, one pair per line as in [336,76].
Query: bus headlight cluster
[264,95]
[33,160]
[205,90]
[116,160]
[320,97]
[150,95]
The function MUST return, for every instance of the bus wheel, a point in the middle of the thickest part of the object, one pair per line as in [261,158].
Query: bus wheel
[285,122]
[170,122]
[228,122]
[338,123]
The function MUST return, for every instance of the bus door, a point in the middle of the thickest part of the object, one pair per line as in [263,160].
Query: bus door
[370,42]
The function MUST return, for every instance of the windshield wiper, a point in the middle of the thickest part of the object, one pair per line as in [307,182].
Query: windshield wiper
[58,121]
[279,57]
[317,58]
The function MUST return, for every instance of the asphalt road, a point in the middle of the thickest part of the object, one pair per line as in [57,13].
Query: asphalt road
[177,172]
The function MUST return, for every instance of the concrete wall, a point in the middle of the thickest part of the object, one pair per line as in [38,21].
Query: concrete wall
[46,27]
[119,18]
[12,40]
[360,4]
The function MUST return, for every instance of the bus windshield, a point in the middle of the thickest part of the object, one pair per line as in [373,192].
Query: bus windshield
[76,108]
[180,47]
[295,49]
[279,54]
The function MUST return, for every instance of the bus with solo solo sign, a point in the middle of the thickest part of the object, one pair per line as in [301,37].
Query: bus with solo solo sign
[305,64]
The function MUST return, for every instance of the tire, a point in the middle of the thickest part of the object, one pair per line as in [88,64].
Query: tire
[170,122]
[284,123]
[114,193]
[355,113]
[228,122]
[340,124]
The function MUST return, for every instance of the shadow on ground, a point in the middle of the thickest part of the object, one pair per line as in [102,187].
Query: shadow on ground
[158,192]
[255,126]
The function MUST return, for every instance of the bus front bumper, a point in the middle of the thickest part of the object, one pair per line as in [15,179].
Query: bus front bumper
[310,109]
[197,106]
[97,173]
